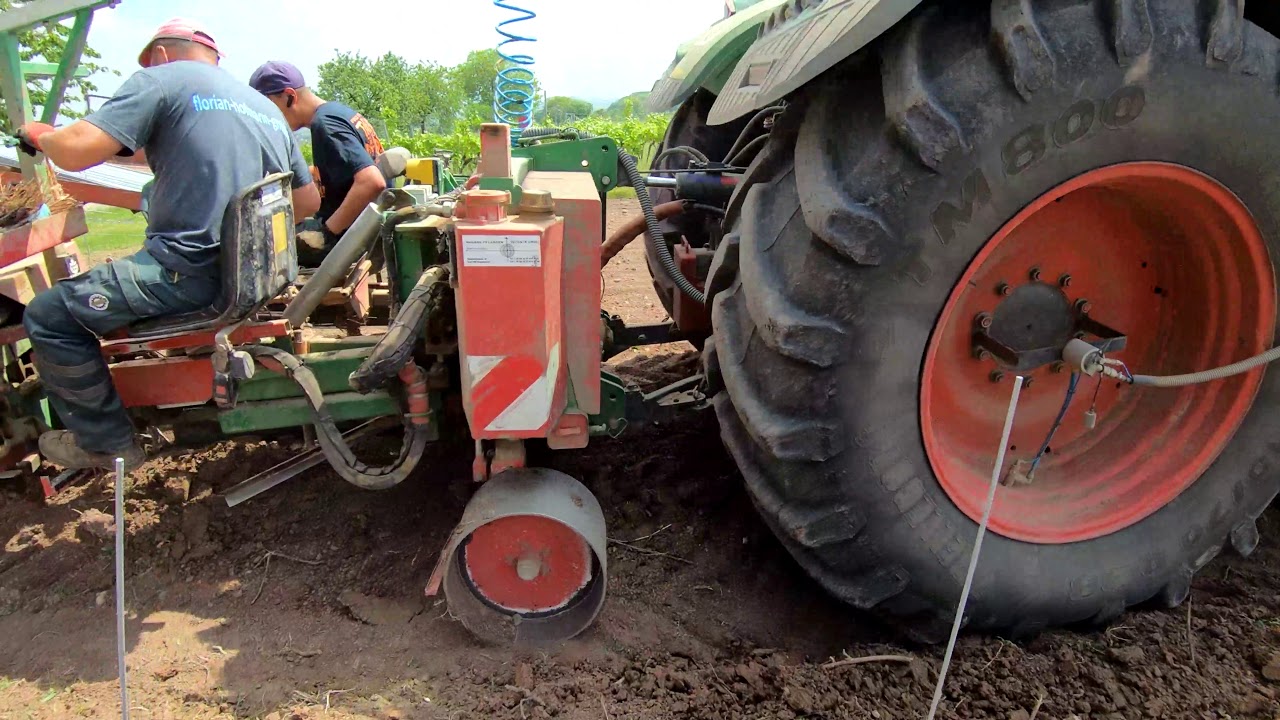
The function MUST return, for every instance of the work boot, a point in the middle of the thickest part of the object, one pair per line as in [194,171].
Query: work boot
[60,448]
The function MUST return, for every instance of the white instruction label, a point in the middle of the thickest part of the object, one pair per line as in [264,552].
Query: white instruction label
[502,250]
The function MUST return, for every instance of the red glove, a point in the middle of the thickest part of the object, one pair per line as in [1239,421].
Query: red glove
[29,137]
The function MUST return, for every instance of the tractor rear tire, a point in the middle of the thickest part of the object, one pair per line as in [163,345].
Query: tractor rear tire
[885,179]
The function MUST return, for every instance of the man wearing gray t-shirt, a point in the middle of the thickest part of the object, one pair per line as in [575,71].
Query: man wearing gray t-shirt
[206,136]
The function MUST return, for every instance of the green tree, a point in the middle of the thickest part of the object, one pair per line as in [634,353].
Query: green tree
[561,110]
[629,106]
[44,43]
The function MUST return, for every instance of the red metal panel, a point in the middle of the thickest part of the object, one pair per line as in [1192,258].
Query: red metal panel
[41,235]
[120,345]
[167,381]
[578,201]
[102,195]
[510,321]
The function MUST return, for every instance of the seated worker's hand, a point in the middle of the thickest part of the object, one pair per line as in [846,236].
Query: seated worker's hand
[29,137]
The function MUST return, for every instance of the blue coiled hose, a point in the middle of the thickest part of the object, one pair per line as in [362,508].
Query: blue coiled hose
[513,95]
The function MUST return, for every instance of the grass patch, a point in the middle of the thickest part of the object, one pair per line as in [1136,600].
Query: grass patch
[112,231]
[620,193]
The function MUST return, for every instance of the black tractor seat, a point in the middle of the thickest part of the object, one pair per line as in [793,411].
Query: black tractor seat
[258,260]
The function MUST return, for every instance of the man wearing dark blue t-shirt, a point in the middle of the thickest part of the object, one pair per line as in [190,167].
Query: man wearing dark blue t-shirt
[344,148]
[206,137]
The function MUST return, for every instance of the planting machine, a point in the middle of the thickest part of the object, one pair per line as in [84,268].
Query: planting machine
[872,217]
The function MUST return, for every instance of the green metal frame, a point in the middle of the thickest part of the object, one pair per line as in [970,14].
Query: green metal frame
[598,156]
[14,72]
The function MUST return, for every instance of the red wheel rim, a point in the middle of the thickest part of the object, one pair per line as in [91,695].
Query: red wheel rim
[527,564]
[1164,254]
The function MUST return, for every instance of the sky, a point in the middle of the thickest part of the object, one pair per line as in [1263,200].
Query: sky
[597,50]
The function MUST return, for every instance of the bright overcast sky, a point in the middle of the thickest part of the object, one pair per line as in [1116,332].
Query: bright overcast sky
[598,50]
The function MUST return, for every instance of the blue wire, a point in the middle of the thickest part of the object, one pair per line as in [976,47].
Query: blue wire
[513,95]
[1057,423]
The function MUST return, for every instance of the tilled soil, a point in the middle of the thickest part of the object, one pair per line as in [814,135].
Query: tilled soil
[307,602]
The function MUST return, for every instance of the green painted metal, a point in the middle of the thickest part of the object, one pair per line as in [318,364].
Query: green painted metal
[612,418]
[598,156]
[294,412]
[14,90]
[68,64]
[330,368]
[414,247]
[797,47]
[35,12]
[709,59]
[44,70]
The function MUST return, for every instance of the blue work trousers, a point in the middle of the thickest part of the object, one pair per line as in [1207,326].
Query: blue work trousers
[64,325]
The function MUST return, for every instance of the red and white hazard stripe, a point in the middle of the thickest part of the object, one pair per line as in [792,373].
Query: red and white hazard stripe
[512,393]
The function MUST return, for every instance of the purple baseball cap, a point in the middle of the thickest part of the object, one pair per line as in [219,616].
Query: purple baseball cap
[275,77]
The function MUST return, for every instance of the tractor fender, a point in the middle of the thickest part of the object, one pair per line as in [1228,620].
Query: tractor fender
[707,60]
[794,48]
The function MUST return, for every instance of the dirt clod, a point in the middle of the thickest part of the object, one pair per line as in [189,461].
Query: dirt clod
[97,524]
[378,610]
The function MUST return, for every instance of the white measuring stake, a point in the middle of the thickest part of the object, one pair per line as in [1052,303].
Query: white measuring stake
[120,643]
[977,546]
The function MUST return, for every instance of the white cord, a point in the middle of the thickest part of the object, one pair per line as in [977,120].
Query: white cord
[120,640]
[977,546]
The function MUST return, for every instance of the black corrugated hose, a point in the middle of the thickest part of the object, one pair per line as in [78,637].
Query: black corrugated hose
[653,233]
[395,348]
[334,447]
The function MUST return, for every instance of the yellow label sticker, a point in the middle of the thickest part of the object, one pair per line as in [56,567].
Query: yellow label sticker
[280,231]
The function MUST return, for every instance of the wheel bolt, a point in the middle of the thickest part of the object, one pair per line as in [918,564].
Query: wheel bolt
[1058,367]
[1035,274]
[528,568]
[1003,289]
[996,376]
[983,320]
[1026,382]
[981,354]
[1083,305]
[1065,281]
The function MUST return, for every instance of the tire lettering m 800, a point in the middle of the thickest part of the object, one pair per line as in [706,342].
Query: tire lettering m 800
[1031,145]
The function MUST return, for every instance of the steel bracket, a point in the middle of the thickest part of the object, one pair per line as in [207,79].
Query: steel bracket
[1106,339]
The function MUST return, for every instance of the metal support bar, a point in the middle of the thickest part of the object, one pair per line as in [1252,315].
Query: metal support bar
[622,337]
[292,467]
[44,70]
[14,89]
[47,11]
[67,65]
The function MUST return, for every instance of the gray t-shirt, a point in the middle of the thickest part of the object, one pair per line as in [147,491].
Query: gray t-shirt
[207,137]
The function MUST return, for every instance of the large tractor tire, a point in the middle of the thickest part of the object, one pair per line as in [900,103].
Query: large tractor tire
[1018,160]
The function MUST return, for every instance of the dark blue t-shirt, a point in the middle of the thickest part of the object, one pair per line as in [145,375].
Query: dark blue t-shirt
[342,144]
[207,136]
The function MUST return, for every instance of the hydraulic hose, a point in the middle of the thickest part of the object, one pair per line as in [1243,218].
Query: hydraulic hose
[748,152]
[743,136]
[332,444]
[685,150]
[542,133]
[631,229]
[653,235]
[395,348]
[1205,376]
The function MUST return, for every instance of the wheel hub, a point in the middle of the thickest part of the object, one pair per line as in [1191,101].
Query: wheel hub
[1164,252]
[1033,324]
[1036,315]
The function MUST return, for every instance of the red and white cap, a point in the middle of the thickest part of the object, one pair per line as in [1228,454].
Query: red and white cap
[179,29]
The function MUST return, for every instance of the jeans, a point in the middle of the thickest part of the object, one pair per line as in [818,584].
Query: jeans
[65,322]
